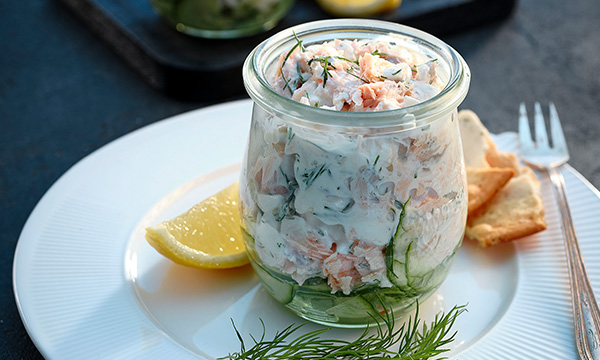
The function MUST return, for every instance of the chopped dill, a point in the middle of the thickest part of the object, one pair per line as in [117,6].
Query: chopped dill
[374,162]
[348,60]
[312,175]
[349,71]
[325,62]
[287,208]
[299,72]
[396,72]
[377,52]
[301,46]
[299,42]
[348,206]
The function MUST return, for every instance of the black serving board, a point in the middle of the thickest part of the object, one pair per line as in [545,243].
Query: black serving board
[203,69]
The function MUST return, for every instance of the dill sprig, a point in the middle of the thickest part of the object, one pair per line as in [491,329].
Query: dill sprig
[301,46]
[416,341]
[312,175]
[325,62]
[347,60]
[349,71]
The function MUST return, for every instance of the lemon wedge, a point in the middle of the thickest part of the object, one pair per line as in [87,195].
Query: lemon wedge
[206,236]
[355,8]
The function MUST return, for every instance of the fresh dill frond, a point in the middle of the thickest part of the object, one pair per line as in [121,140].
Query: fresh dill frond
[307,97]
[376,160]
[415,340]
[287,208]
[298,44]
[348,60]
[377,52]
[310,176]
[325,62]
[299,72]
[349,71]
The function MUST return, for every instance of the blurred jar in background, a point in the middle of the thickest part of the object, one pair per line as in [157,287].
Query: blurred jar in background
[357,8]
[222,19]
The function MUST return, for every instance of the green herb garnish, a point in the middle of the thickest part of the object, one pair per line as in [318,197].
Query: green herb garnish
[348,206]
[376,160]
[325,62]
[287,208]
[415,340]
[349,71]
[348,60]
[298,44]
[312,175]
[377,52]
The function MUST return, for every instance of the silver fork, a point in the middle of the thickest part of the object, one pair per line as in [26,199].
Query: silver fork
[539,154]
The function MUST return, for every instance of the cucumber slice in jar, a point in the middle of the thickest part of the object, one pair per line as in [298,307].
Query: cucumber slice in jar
[350,307]
[282,290]
[413,271]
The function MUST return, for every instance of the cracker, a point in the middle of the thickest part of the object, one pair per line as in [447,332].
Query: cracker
[499,159]
[516,211]
[475,138]
[484,183]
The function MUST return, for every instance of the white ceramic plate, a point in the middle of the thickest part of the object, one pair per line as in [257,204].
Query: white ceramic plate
[88,286]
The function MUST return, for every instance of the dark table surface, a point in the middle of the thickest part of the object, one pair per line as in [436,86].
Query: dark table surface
[64,94]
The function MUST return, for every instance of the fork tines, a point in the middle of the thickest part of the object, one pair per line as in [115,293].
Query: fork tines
[541,135]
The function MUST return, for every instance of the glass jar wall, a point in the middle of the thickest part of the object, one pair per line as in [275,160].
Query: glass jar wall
[348,214]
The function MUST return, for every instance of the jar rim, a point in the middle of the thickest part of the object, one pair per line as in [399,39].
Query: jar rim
[259,89]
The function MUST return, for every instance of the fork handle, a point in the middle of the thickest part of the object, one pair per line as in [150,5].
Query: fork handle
[586,317]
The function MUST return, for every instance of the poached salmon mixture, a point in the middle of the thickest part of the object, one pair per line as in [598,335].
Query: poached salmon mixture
[355,209]
[358,75]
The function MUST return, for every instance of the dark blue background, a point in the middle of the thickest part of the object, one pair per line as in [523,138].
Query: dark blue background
[64,94]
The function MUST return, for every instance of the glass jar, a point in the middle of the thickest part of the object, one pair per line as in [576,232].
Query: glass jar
[348,214]
[222,19]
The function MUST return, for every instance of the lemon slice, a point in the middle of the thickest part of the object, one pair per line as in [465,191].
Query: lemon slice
[206,236]
[357,7]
